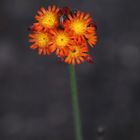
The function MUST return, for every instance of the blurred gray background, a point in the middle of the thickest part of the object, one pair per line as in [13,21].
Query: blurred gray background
[35,101]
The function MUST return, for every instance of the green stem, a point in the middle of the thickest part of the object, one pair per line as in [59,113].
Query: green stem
[75,104]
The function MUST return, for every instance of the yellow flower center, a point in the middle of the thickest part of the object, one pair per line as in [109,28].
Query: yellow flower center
[78,26]
[75,51]
[42,39]
[62,40]
[48,20]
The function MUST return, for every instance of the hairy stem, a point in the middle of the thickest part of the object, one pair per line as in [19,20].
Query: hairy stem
[75,104]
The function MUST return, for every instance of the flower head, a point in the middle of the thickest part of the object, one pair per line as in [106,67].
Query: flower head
[60,42]
[77,53]
[79,24]
[40,40]
[48,19]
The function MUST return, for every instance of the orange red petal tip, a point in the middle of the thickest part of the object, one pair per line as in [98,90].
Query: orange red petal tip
[65,32]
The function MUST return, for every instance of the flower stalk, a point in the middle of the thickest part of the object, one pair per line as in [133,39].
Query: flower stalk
[75,103]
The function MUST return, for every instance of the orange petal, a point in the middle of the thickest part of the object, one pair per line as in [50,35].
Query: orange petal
[73,61]
[82,15]
[78,13]
[44,51]
[53,8]
[37,17]
[33,46]
[57,10]
[40,13]
[86,16]
[82,59]
[31,40]
[43,10]
[78,61]
[70,17]
[40,50]
[49,8]
[31,35]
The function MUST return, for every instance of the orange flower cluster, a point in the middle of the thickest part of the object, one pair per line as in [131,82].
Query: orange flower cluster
[64,32]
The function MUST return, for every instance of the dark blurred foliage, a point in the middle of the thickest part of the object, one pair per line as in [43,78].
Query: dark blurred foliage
[35,101]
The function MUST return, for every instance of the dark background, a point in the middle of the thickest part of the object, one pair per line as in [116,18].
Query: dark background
[35,101]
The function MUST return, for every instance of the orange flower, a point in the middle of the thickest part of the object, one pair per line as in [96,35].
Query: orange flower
[60,42]
[79,24]
[65,32]
[77,53]
[35,27]
[40,40]
[48,19]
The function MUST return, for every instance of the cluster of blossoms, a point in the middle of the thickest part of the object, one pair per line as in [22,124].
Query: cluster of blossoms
[65,32]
